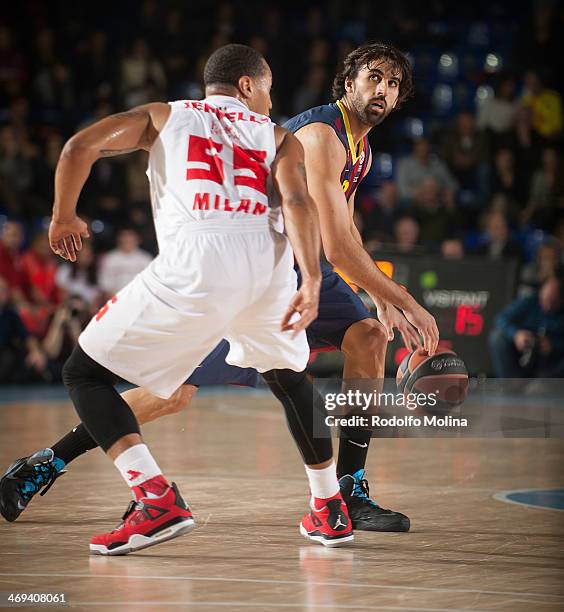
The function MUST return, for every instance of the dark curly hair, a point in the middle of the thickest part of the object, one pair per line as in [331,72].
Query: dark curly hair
[230,62]
[360,58]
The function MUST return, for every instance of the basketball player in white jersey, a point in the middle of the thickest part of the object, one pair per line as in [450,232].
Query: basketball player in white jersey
[217,167]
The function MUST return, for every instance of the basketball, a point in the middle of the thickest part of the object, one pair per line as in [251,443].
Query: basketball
[444,375]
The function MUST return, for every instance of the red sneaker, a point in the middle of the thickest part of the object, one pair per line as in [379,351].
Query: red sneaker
[330,525]
[146,522]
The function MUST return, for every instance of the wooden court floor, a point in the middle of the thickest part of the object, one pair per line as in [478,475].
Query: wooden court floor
[234,461]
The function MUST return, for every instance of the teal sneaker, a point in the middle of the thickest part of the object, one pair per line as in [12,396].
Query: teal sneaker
[26,477]
[365,514]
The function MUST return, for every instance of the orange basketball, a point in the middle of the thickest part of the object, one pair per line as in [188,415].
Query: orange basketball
[444,375]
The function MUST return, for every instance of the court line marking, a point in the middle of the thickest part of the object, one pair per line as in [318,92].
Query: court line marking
[502,496]
[387,487]
[58,394]
[272,581]
[265,606]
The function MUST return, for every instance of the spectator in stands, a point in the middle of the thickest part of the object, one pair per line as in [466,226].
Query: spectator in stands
[378,209]
[11,267]
[498,242]
[53,89]
[70,318]
[16,171]
[434,214]
[106,190]
[496,116]
[406,235]
[452,248]
[466,153]
[545,105]
[138,69]
[13,69]
[547,191]
[173,45]
[95,69]
[80,279]
[39,268]
[528,143]
[313,91]
[122,264]
[420,166]
[19,117]
[45,173]
[21,358]
[528,339]
[548,261]
[507,180]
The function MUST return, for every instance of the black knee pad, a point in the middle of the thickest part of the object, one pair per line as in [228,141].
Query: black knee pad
[104,413]
[71,369]
[79,367]
[284,378]
[303,413]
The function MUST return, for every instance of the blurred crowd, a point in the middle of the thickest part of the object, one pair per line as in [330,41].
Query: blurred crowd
[472,165]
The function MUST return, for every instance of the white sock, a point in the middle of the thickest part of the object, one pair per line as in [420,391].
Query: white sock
[323,483]
[136,465]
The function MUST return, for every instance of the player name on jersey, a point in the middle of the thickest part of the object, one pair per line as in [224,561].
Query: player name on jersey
[209,201]
[229,115]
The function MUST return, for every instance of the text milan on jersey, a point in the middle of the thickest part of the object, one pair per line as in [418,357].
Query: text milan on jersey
[203,201]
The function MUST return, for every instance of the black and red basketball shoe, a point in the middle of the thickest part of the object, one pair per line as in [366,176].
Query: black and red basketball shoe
[146,522]
[328,522]
[366,514]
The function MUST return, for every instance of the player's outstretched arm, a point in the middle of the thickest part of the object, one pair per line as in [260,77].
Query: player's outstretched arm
[325,158]
[300,220]
[388,314]
[117,134]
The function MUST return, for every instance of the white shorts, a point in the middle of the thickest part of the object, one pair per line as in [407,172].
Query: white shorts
[205,287]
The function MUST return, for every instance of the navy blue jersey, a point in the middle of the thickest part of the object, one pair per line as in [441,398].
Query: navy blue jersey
[335,115]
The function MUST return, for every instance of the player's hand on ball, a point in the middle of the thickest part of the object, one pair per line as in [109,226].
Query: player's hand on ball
[65,237]
[425,324]
[305,303]
[391,318]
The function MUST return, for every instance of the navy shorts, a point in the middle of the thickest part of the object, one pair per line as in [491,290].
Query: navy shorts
[339,308]
[214,370]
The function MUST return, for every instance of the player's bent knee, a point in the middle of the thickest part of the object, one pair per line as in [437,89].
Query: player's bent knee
[368,335]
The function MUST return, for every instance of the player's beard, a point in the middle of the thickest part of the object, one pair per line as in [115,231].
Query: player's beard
[367,116]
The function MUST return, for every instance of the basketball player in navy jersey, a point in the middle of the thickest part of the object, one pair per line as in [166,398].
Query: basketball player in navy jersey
[375,80]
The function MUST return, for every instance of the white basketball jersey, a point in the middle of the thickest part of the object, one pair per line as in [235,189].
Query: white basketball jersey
[212,162]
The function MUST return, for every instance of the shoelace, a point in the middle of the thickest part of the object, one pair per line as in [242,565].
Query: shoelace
[362,491]
[43,475]
[132,507]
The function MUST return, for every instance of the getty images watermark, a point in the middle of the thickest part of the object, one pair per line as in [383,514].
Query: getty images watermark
[499,408]
[355,400]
